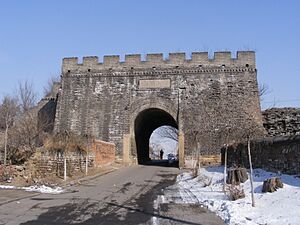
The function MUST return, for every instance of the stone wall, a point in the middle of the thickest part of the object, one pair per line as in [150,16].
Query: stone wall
[46,109]
[52,161]
[282,121]
[46,114]
[273,154]
[105,99]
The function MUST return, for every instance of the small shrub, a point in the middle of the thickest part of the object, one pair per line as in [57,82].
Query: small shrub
[204,180]
[235,192]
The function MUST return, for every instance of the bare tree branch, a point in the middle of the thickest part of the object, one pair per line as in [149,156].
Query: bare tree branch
[169,132]
[49,86]
[263,90]
[26,96]
[8,112]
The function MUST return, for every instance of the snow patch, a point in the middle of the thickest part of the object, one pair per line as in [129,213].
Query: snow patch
[278,208]
[36,188]
[157,202]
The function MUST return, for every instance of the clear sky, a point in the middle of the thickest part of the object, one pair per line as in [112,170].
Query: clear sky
[36,35]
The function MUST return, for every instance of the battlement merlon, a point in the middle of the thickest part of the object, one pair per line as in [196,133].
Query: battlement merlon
[92,64]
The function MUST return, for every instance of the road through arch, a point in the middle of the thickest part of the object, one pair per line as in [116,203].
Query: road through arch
[145,123]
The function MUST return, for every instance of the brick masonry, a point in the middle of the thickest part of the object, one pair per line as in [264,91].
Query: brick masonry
[112,100]
[51,161]
[282,121]
[278,152]
[103,152]
[273,154]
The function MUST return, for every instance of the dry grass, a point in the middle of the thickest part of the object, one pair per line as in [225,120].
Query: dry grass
[234,192]
[68,142]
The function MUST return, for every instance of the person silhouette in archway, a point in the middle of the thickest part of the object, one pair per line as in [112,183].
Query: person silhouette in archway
[161,154]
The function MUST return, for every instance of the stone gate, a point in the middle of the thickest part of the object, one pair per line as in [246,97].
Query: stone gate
[124,102]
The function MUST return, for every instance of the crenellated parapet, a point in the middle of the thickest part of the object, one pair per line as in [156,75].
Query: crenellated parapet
[174,60]
[123,99]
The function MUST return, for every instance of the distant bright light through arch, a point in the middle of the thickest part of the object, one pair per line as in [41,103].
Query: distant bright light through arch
[166,138]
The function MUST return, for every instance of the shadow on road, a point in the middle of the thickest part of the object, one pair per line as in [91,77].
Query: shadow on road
[67,214]
[163,162]
[135,210]
[157,215]
[123,207]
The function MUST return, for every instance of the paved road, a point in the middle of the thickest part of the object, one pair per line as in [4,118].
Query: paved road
[125,196]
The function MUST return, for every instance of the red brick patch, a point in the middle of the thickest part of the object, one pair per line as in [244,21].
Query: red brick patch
[104,152]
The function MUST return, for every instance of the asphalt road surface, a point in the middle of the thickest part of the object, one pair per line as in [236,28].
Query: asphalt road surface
[126,196]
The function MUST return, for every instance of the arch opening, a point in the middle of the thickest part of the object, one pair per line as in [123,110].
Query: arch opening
[145,123]
[163,145]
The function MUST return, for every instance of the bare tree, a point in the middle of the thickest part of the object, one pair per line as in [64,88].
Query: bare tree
[225,135]
[48,88]
[253,131]
[263,90]
[169,132]
[8,112]
[26,96]
[201,139]
[248,133]
[251,170]
[18,119]
[23,133]
[195,137]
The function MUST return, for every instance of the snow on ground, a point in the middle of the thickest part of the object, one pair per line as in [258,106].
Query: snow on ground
[279,208]
[41,189]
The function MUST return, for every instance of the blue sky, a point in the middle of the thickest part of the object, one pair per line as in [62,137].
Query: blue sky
[36,35]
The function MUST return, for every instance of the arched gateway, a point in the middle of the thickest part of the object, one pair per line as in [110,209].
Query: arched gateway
[124,102]
[145,123]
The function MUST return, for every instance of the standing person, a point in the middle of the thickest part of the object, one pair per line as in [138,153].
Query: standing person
[161,153]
